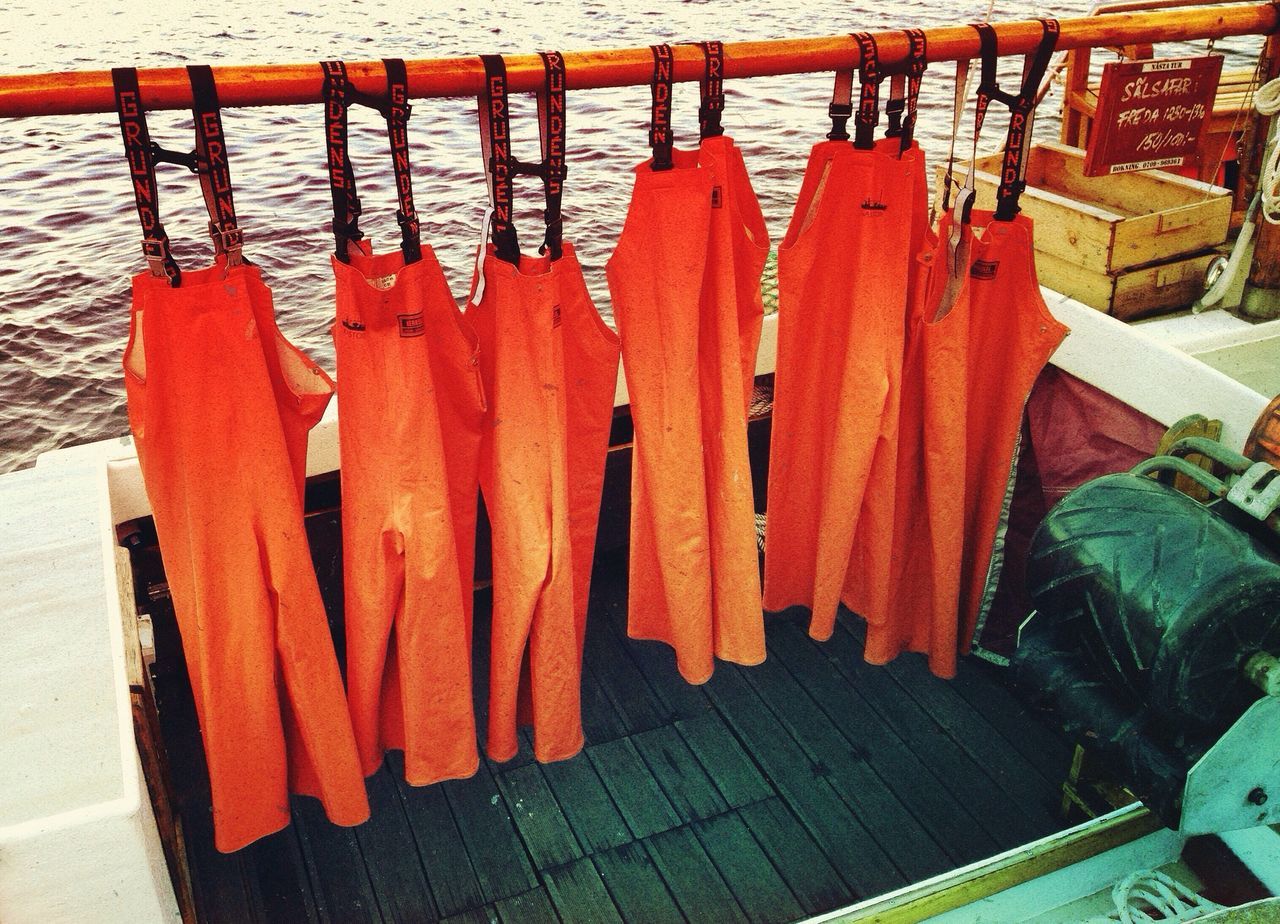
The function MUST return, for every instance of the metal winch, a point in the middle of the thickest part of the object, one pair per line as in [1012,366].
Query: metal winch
[1156,630]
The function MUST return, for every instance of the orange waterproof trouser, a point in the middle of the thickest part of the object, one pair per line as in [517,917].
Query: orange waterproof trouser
[869,580]
[685,281]
[929,481]
[1011,337]
[550,367]
[412,406]
[970,374]
[220,405]
[843,272]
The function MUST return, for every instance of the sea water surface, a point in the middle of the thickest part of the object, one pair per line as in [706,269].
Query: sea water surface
[71,236]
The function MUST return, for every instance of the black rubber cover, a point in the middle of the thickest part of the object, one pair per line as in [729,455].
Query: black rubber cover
[1163,597]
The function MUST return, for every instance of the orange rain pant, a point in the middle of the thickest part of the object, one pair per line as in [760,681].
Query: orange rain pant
[685,281]
[968,374]
[220,406]
[412,407]
[843,282]
[550,367]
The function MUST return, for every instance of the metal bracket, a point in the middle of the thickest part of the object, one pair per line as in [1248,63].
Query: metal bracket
[1236,784]
[1257,492]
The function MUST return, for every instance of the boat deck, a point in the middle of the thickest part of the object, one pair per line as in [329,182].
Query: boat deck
[769,794]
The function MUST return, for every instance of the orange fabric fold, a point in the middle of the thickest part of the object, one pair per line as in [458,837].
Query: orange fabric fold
[412,407]
[843,274]
[685,282]
[220,405]
[550,367]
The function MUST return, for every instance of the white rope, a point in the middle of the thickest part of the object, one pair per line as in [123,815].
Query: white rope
[1149,896]
[1267,102]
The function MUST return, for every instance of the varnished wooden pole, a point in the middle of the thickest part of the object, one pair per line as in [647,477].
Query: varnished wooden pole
[1265,271]
[290,84]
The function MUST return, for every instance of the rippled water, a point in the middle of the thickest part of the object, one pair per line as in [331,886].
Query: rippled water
[66,206]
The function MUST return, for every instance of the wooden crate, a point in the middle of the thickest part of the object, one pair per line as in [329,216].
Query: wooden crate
[1130,244]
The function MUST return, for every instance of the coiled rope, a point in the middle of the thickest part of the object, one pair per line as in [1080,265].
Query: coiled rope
[1149,896]
[1267,102]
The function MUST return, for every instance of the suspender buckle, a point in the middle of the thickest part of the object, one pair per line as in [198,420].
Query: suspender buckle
[894,109]
[155,251]
[709,117]
[408,223]
[160,262]
[227,239]
[840,114]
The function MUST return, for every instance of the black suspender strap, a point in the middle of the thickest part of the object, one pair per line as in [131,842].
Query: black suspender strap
[712,91]
[1018,140]
[501,165]
[342,180]
[138,154]
[495,146]
[987,87]
[917,61]
[397,113]
[904,91]
[869,76]
[551,129]
[897,104]
[661,139]
[212,165]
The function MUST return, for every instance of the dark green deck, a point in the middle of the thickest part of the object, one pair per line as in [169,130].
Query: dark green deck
[769,794]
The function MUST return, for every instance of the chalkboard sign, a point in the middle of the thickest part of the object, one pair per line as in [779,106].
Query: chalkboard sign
[1151,114]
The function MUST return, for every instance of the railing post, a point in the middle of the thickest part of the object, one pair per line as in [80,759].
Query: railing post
[1262,297]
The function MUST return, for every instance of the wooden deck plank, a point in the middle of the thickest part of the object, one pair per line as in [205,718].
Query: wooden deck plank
[734,772]
[276,875]
[485,915]
[497,855]
[907,775]
[798,859]
[636,885]
[586,804]
[634,791]
[542,826]
[656,662]
[964,777]
[754,881]
[692,878]
[600,721]
[1023,784]
[342,887]
[902,837]
[439,842]
[579,895]
[624,685]
[532,907]
[386,841]
[218,878]
[861,862]
[682,778]
[1034,738]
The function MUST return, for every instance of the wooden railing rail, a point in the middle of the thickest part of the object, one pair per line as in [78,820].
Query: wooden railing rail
[73,92]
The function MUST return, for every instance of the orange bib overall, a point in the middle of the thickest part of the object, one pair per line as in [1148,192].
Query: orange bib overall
[685,282]
[412,406]
[550,367]
[220,405]
[978,340]
[843,278]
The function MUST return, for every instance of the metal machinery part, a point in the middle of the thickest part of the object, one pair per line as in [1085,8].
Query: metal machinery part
[1156,625]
